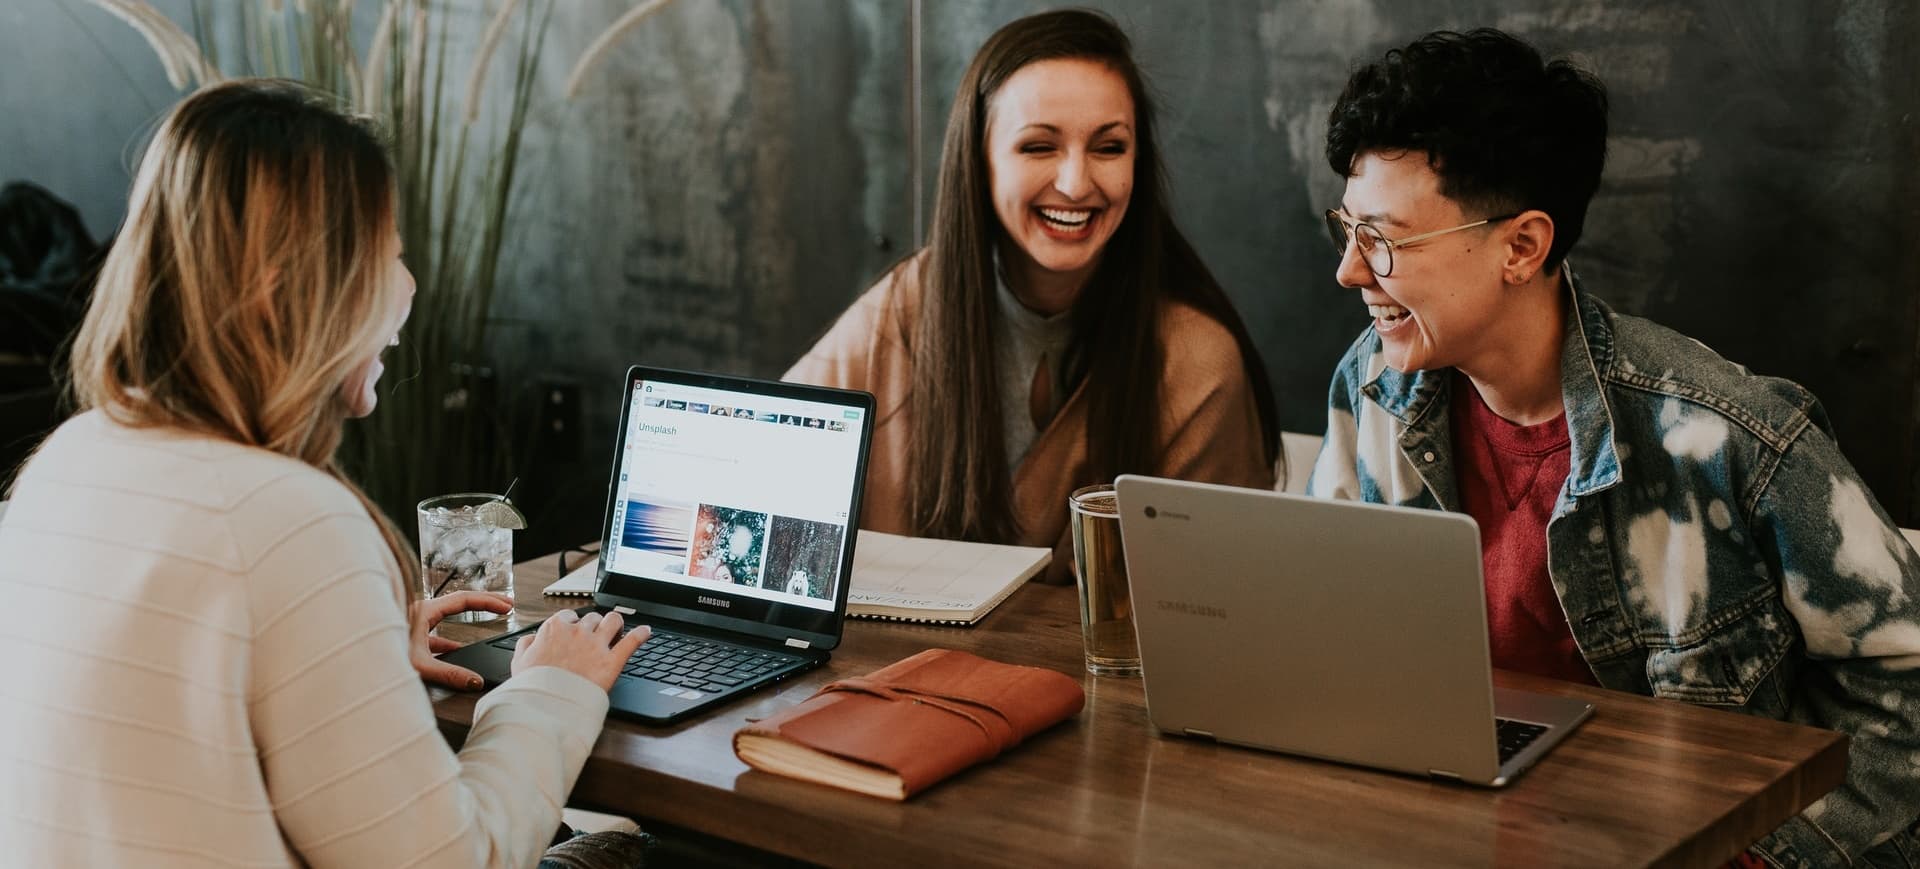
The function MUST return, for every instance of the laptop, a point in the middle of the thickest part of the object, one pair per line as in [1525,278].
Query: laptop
[1333,629]
[729,530]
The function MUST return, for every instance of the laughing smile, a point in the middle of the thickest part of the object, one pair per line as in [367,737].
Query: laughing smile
[1388,313]
[1066,222]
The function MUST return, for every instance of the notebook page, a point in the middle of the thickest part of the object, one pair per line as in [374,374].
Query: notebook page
[582,582]
[937,576]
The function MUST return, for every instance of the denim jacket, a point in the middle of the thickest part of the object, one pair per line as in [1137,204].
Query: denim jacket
[1710,544]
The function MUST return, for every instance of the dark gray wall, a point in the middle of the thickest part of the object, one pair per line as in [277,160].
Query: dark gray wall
[723,185]
[77,88]
[738,171]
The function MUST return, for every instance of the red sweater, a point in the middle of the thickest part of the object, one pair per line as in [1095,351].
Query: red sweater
[1509,476]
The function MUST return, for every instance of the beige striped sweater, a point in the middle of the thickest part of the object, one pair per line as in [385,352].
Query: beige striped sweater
[209,668]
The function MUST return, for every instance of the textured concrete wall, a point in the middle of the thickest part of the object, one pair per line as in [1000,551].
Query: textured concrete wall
[738,171]
[724,185]
[78,90]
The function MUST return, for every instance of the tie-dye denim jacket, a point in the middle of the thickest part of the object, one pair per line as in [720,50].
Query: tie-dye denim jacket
[1711,544]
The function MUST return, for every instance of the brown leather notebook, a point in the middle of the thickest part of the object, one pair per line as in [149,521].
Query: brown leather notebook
[899,730]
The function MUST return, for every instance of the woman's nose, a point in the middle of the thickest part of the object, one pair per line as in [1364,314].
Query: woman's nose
[1071,180]
[1353,272]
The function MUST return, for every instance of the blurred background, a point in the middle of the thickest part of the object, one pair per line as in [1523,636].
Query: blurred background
[732,173]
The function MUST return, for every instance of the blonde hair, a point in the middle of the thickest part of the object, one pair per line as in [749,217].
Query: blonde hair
[249,281]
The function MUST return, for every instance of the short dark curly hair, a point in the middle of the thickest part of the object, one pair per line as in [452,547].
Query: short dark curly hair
[1504,130]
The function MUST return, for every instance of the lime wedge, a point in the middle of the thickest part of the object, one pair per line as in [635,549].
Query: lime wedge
[501,514]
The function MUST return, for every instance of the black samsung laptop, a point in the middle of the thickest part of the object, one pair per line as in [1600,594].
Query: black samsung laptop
[729,529]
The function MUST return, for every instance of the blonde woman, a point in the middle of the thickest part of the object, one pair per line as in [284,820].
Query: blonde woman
[209,631]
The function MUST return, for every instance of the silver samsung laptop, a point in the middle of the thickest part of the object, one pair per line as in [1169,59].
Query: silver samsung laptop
[1333,629]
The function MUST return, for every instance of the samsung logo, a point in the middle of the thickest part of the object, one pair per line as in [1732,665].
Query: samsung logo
[714,601]
[1194,609]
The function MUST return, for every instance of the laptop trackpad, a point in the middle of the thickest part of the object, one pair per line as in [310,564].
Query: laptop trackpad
[1547,709]
[647,697]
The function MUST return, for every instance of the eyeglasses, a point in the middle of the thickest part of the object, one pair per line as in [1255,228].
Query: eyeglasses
[1376,250]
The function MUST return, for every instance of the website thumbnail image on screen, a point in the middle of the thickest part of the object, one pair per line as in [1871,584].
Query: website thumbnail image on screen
[737,493]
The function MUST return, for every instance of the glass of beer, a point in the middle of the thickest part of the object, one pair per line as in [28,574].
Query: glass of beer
[1100,572]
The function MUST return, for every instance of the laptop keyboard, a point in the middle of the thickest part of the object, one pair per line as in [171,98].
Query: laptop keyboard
[693,663]
[1515,736]
[701,664]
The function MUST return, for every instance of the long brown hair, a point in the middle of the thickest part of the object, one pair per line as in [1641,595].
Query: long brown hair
[250,278]
[959,481]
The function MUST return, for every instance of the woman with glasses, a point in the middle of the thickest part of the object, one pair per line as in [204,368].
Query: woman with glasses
[1057,330]
[1345,229]
[1653,517]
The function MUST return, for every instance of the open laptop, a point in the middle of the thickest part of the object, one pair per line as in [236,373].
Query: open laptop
[729,530]
[1334,629]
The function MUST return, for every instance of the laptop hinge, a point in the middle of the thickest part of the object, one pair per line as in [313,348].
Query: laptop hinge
[1200,733]
[1443,773]
[625,610]
[797,643]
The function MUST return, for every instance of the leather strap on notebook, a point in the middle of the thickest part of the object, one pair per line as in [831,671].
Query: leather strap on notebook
[998,732]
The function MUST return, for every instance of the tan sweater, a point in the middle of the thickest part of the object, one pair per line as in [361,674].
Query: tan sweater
[1210,426]
[209,668]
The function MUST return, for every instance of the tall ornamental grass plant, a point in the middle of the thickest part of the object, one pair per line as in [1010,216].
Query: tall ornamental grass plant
[456,138]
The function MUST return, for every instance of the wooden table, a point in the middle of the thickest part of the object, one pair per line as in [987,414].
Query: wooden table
[1645,782]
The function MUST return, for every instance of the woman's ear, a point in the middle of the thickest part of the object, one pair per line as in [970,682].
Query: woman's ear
[1530,237]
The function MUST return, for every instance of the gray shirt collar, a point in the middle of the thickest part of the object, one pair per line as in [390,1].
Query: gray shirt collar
[1025,337]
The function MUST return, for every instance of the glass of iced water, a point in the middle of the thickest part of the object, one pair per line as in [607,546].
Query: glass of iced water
[466,544]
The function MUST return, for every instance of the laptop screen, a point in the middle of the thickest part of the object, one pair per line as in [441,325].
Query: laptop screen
[732,499]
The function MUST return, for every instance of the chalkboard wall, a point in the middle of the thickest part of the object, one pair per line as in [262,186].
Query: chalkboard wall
[738,171]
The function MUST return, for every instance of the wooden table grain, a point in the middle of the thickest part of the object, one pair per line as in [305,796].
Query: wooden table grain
[1644,783]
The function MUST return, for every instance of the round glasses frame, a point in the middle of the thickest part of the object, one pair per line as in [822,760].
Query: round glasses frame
[1376,250]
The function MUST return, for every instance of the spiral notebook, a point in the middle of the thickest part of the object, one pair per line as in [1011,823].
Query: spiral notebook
[582,582]
[912,579]
[949,582]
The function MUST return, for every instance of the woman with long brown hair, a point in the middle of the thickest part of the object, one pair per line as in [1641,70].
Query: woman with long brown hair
[209,621]
[1057,330]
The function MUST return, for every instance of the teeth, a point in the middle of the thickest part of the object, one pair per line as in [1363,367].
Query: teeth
[1068,218]
[1386,312]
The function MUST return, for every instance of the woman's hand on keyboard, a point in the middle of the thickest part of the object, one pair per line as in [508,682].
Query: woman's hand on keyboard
[589,645]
